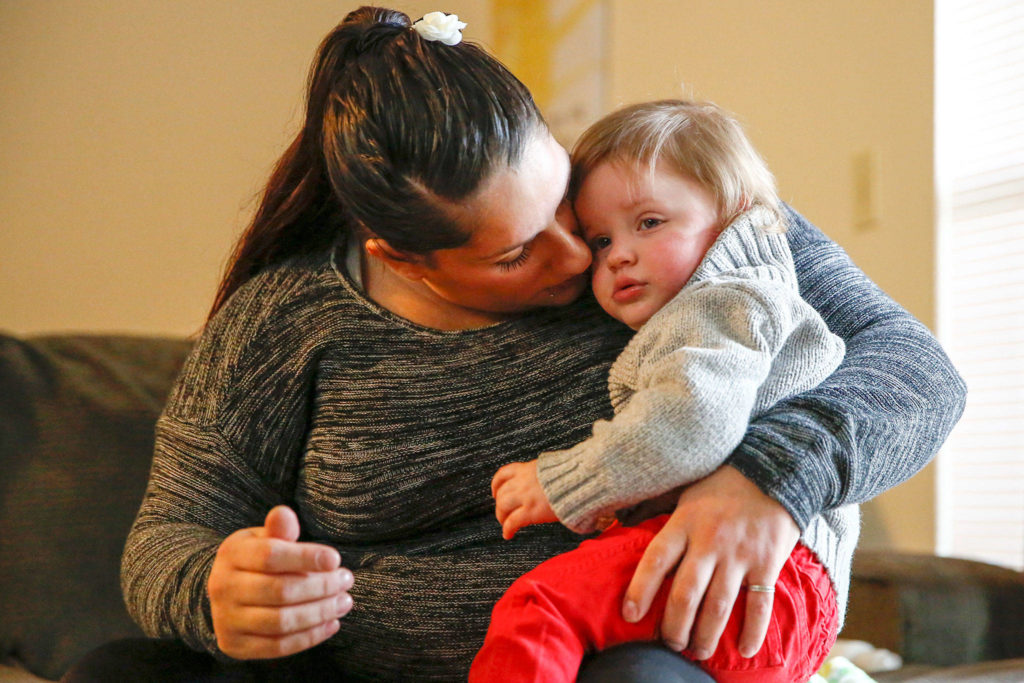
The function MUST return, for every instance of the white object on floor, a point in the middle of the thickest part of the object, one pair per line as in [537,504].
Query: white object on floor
[840,670]
[866,656]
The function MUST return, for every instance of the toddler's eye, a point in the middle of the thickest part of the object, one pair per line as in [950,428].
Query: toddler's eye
[649,223]
[599,243]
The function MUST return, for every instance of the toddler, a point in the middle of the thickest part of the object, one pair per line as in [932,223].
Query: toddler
[685,226]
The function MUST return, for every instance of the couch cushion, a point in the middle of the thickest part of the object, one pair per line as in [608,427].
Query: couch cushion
[76,439]
[938,611]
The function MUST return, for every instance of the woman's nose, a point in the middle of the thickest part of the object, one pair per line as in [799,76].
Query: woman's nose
[580,256]
[572,253]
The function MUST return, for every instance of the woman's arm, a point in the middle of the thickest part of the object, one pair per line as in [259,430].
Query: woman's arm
[877,420]
[203,561]
[871,425]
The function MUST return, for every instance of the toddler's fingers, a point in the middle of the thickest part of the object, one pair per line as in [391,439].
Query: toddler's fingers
[500,477]
[505,504]
[513,523]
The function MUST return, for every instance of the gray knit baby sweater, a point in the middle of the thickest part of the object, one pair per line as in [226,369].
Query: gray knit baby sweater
[385,435]
[737,339]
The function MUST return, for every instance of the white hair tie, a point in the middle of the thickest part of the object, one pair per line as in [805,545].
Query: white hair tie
[440,26]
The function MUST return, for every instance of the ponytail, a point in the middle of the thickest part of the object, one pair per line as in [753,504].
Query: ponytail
[397,130]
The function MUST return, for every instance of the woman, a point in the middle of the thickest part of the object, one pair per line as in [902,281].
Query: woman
[404,316]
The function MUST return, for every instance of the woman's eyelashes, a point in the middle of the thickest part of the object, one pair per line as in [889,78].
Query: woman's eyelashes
[518,260]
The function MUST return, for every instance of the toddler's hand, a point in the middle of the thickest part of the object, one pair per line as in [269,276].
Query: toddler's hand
[519,499]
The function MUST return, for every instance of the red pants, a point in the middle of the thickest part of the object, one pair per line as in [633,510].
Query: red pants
[571,605]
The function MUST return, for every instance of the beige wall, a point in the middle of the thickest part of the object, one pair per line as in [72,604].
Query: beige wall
[136,134]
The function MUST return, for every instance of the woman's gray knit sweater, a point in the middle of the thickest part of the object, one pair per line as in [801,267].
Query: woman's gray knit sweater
[384,436]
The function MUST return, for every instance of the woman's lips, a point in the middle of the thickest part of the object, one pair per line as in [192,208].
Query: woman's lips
[573,286]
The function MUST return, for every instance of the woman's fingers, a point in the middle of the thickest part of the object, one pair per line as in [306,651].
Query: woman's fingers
[684,600]
[757,618]
[715,610]
[282,522]
[285,621]
[255,553]
[253,646]
[271,596]
[730,532]
[281,590]
[658,561]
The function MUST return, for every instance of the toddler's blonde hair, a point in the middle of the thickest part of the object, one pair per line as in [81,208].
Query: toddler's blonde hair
[698,139]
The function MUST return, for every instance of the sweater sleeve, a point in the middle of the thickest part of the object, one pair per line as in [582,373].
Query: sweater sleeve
[227,447]
[699,366]
[877,420]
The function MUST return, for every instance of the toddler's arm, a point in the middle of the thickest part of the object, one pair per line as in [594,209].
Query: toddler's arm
[698,369]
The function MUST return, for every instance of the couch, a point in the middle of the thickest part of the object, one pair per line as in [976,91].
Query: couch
[76,432]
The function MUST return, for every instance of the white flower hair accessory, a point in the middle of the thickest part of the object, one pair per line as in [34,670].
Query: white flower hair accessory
[440,26]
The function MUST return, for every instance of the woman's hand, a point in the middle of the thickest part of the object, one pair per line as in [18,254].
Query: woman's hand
[724,533]
[271,596]
[519,499]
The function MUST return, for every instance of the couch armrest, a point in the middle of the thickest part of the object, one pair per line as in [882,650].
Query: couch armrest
[936,610]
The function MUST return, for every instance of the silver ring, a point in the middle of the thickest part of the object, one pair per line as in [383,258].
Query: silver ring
[755,588]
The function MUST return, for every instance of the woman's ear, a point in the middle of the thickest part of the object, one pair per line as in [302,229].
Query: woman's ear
[405,264]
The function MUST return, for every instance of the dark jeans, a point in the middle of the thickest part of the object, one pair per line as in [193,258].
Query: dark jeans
[139,659]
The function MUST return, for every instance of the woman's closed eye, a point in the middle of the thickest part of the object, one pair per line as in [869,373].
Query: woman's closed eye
[518,260]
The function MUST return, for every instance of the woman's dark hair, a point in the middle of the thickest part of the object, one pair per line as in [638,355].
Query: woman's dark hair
[397,130]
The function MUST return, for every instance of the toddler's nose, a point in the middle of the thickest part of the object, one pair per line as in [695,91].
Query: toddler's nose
[620,255]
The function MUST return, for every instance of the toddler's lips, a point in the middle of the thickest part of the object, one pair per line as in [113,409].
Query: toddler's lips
[627,291]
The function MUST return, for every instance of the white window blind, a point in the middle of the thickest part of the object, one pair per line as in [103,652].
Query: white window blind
[980,167]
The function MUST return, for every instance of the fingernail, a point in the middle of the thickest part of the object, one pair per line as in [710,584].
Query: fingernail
[747,652]
[344,604]
[674,646]
[326,560]
[701,653]
[630,612]
[346,578]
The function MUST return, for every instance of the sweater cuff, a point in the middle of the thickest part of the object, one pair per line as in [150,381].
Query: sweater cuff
[791,479]
[574,491]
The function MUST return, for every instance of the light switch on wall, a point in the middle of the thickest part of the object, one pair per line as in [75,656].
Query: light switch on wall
[865,190]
